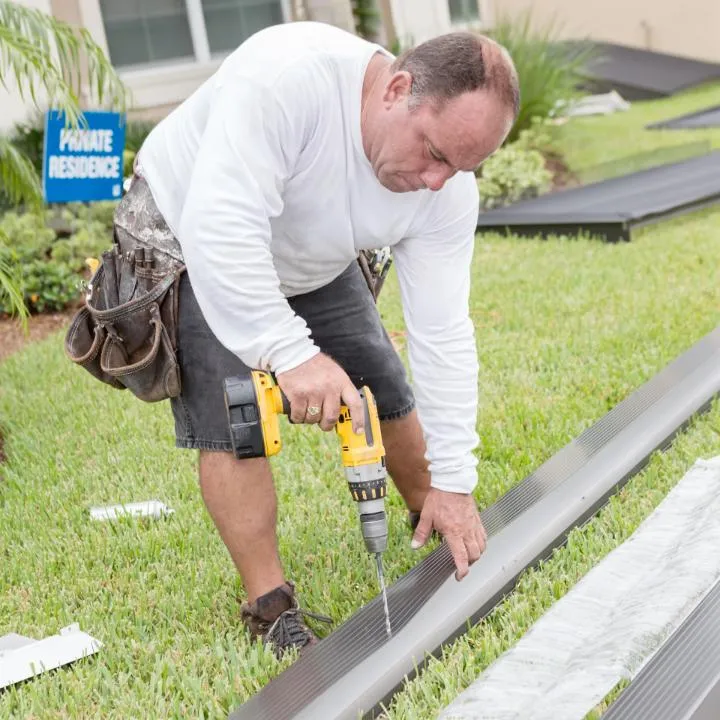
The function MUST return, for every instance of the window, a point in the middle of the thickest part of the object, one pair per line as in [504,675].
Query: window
[142,32]
[464,10]
[146,31]
[229,22]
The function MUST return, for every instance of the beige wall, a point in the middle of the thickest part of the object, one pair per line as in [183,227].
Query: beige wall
[687,27]
[12,108]
[334,12]
[420,20]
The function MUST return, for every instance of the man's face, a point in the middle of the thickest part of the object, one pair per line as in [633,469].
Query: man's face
[424,147]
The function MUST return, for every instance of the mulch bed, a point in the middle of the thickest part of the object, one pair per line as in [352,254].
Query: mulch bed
[563,178]
[13,338]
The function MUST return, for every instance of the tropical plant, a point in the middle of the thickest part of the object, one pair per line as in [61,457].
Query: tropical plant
[549,72]
[366,18]
[48,61]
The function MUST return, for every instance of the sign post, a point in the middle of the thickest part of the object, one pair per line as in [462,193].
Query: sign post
[83,164]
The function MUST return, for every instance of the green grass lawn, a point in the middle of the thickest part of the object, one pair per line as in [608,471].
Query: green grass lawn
[594,141]
[565,330]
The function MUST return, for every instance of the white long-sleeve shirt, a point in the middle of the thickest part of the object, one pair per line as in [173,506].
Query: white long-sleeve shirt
[262,177]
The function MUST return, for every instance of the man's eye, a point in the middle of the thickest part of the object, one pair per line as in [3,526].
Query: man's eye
[434,155]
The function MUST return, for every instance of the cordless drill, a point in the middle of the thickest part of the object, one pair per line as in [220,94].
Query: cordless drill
[254,404]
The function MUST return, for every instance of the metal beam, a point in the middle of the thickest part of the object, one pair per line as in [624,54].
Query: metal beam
[616,206]
[682,681]
[356,669]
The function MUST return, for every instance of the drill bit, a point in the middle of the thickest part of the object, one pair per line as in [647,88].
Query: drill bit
[381,578]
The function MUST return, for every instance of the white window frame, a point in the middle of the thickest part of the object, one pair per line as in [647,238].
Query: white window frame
[484,21]
[198,31]
[167,82]
[198,35]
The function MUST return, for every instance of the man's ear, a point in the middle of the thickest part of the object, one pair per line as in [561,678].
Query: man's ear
[398,87]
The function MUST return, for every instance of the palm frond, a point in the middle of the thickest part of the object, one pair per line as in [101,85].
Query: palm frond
[11,295]
[18,177]
[42,53]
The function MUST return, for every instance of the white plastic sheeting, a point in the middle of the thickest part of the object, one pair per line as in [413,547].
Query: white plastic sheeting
[604,104]
[23,657]
[612,621]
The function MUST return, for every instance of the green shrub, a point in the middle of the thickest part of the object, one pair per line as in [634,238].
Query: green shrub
[548,73]
[49,286]
[89,241]
[29,237]
[515,172]
[366,17]
[135,133]
[538,136]
[80,214]
[128,160]
[29,137]
[50,270]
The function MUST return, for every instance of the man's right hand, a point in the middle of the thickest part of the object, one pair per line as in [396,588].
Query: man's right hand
[316,389]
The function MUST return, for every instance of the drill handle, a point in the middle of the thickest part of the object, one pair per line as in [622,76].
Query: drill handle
[271,401]
[281,404]
[366,448]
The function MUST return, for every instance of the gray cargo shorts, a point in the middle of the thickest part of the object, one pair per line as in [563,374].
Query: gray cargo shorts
[344,323]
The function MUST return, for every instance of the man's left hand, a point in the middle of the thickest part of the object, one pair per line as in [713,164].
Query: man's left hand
[455,516]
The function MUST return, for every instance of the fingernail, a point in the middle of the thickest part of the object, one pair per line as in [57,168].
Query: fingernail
[360,430]
[415,544]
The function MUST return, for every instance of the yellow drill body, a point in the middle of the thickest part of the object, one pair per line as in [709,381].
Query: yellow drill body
[254,406]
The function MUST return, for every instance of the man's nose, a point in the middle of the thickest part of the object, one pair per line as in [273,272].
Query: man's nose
[434,178]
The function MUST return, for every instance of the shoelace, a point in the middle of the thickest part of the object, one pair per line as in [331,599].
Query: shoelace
[288,628]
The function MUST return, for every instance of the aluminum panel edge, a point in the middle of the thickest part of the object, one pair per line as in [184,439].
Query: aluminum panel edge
[356,669]
[682,681]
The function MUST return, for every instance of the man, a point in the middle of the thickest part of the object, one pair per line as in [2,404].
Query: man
[306,146]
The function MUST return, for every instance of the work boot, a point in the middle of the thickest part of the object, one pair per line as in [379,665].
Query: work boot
[277,620]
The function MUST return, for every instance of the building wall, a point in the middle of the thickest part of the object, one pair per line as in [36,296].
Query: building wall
[333,12]
[687,28]
[420,20]
[155,90]
[12,107]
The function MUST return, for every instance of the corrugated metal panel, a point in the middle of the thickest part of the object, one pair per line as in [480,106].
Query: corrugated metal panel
[682,682]
[707,118]
[612,207]
[356,668]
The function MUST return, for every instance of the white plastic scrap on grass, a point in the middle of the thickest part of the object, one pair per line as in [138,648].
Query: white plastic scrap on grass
[147,508]
[21,658]
[609,625]
[603,104]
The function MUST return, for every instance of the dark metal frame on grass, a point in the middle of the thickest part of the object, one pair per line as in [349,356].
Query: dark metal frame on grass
[612,208]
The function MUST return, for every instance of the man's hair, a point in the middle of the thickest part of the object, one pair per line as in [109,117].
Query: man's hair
[455,63]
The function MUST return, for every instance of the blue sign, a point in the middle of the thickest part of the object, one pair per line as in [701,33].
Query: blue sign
[83,163]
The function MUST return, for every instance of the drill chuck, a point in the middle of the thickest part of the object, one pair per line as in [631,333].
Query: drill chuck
[369,488]
[374,528]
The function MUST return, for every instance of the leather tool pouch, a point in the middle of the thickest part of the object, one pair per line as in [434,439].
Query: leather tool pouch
[126,332]
[374,265]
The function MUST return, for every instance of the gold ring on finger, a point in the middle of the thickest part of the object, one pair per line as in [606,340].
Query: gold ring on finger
[313,410]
